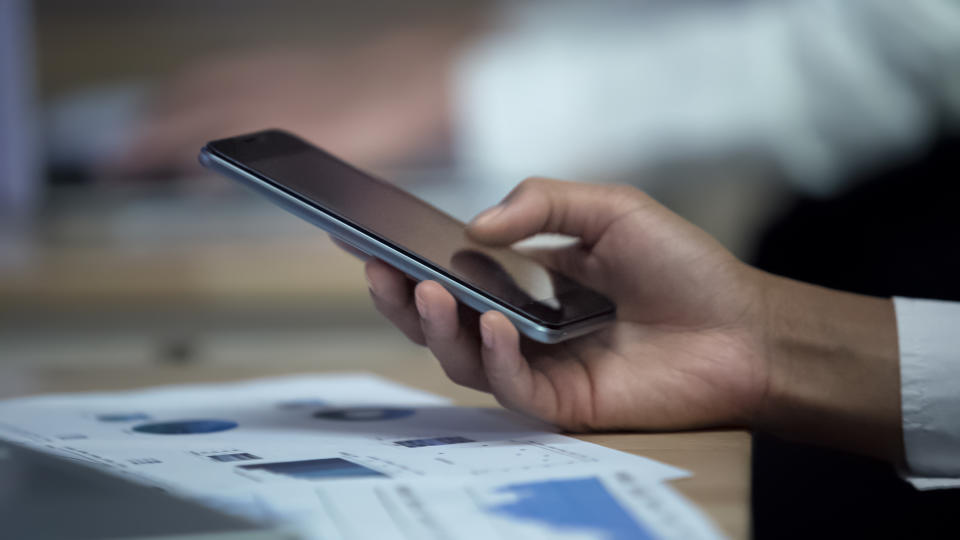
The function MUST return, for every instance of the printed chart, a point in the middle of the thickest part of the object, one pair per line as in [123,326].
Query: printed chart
[318,450]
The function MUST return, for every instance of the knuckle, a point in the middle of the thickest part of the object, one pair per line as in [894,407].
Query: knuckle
[388,308]
[628,193]
[628,198]
[533,183]
[415,337]
[504,402]
[381,307]
[572,420]
[458,376]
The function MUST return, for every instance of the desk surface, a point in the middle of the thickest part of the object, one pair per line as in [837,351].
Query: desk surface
[83,313]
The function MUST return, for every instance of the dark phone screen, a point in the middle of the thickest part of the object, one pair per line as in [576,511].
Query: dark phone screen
[413,226]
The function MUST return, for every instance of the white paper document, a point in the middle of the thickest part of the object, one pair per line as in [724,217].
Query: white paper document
[604,503]
[356,456]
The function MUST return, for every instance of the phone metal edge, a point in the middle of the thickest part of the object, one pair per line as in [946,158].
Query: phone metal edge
[395,258]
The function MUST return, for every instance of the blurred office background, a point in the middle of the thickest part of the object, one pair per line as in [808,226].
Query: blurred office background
[137,276]
[123,263]
[118,250]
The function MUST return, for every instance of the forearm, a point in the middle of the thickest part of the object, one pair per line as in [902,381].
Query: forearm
[834,374]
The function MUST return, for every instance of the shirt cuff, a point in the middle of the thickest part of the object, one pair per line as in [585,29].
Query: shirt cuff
[929,336]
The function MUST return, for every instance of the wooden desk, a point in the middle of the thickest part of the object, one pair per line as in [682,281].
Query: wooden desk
[85,315]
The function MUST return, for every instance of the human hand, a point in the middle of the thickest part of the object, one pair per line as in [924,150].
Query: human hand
[684,352]
[700,339]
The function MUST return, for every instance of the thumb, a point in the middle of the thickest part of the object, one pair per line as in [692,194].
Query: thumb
[540,205]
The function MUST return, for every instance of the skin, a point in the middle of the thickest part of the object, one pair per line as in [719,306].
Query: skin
[701,339]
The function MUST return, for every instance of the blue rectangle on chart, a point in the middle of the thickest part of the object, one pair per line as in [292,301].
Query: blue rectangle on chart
[313,469]
[580,504]
[436,441]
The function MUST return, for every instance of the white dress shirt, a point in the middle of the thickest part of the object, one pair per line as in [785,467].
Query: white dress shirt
[929,335]
[597,90]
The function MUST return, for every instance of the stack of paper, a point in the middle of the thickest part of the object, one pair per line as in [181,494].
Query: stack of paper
[356,456]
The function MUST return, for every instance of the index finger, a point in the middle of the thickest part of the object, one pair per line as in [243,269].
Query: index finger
[540,205]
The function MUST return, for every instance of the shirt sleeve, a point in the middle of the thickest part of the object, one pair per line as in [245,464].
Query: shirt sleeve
[929,336]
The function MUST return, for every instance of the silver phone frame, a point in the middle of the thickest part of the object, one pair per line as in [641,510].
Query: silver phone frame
[373,247]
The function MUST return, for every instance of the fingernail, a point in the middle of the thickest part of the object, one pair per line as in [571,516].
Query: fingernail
[486,334]
[487,215]
[421,305]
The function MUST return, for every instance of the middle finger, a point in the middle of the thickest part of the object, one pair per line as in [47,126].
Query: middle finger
[456,346]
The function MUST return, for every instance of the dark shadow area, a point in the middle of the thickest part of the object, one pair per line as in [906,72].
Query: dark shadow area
[894,234]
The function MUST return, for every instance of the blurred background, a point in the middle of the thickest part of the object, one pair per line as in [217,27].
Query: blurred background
[816,138]
[118,250]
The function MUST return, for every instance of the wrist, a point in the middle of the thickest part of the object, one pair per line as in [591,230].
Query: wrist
[833,368]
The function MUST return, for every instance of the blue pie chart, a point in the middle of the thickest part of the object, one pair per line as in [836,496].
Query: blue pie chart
[185,427]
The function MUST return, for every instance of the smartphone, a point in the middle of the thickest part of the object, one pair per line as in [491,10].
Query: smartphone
[384,221]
